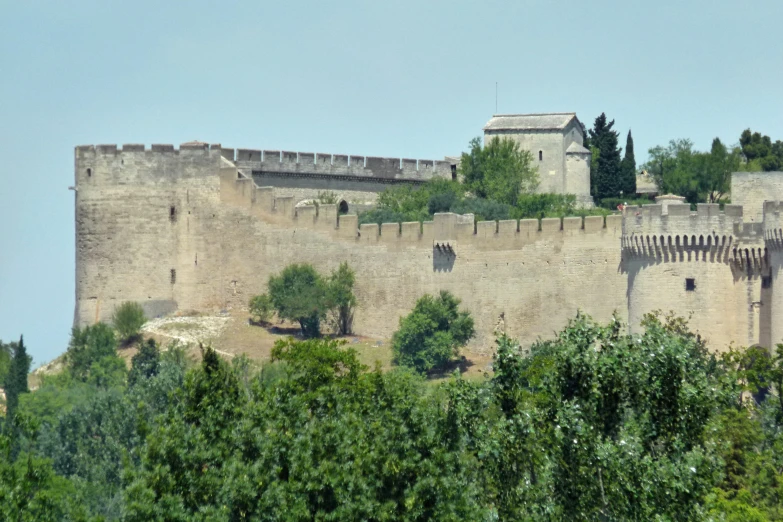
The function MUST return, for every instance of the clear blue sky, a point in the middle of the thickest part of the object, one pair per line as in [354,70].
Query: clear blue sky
[404,78]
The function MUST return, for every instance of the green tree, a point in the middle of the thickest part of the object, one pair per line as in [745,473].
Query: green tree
[324,440]
[697,176]
[16,380]
[261,308]
[341,300]
[128,318]
[607,180]
[30,491]
[500,171]
[432,333]
[92,356]
[672,168]
[759,151]
[6,354]
[145,363]
[299,294]
[628,168]
[716,179]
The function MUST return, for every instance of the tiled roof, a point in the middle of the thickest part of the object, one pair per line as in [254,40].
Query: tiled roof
[551,121]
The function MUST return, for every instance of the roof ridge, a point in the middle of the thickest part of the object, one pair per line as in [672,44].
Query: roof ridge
[534,114]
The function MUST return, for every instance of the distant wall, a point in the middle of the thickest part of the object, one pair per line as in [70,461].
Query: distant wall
[229,236]
[188,228]
[752,189]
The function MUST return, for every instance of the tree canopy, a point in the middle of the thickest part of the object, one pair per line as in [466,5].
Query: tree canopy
[499,171]
[299,293]
[697,176]
[606,181]
[432,333]
[760,152]
[595,424]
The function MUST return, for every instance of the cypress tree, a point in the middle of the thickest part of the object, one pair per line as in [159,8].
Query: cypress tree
[608,178]
[16,382]
[629,167]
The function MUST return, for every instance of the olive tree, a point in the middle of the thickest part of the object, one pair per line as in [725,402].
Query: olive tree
[432,333]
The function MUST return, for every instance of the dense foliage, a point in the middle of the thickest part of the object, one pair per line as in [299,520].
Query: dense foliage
[261,308]
[500,171]
[697,176]
[432,334]
[760,152]
[595,424]
[606,177]
[628,168]
[300,294]
[407,204]
[15,381]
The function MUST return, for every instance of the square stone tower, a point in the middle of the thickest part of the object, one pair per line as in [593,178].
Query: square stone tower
[555,141]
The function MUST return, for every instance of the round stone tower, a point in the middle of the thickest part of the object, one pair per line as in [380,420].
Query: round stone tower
[705,265]
[773,236]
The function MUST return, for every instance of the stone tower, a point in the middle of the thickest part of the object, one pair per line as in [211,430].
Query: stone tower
[555,141]
[708,264]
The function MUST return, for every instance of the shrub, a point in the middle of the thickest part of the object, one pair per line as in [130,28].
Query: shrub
[483,209]
[432,333]
[261,308]
[327,198]
[128,319]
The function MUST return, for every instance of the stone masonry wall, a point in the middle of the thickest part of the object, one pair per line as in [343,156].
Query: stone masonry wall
[179,229]
[752,189]
[723,258]
[228,236]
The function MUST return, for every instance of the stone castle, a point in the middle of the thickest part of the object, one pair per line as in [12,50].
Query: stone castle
[202,227]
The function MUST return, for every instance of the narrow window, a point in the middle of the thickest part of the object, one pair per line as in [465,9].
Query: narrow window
[173,213]
[766,281]
[690,284]
[173,276]
[89,173]
[540,155]
[453,173]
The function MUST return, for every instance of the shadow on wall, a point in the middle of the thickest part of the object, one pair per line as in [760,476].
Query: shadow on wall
[443,257]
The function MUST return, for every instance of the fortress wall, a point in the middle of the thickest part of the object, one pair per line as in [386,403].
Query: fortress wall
[311,165]
[362,193]
[752,189]
[228,236]
[536,278]
[127,240]
[718,304]
[773,234]
[722,255]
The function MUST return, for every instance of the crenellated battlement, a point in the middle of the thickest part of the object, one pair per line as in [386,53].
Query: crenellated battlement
[92,151]
[679,219]
[445,227]
[288,164]
[311,164]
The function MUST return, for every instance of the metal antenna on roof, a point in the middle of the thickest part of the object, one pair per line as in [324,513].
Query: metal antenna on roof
[496,97]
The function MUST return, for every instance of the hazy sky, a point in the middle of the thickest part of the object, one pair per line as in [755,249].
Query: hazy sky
[402,78]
